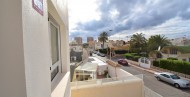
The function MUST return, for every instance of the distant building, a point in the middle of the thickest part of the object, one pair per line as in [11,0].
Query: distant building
[179,52]
[183,41]
[78,40]
[76,51]
[90,39]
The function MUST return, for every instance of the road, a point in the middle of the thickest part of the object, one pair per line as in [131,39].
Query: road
[162,88]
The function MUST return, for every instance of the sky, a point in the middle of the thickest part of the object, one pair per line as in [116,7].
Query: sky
[123,18]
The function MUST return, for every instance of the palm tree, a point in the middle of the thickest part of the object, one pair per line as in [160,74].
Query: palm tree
[103,37]
[138,43]
[157,40]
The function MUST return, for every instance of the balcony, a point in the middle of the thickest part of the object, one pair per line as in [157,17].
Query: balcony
[130,86]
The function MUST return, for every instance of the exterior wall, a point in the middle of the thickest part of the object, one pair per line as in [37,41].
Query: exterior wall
[78,40]
[77,48]
[117,72]
[179,56]
[89,39]
[37,58]
[58,10]
[120,88]
[25,49]
[12,67]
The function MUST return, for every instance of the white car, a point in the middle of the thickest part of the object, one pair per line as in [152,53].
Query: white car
[173,79]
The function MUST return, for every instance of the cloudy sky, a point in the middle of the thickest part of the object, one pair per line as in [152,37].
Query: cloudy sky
[126,17]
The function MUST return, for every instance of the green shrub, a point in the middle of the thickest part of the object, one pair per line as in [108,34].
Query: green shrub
[135,58]
[121,51]
[171,58]
[132,56]
[173,65]
[128,56]
[104,51]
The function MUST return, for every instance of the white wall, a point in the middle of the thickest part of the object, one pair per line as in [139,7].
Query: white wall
[25,54]
[117,72]
[12,69]
[36,50]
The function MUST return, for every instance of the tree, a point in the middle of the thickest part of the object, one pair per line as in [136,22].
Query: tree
[85,45]
[103,37]
[138,43]
[157,40]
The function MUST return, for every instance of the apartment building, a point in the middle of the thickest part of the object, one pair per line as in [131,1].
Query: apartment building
[34,51]
[78,40]
[183,41]
[76,51]
[89,39]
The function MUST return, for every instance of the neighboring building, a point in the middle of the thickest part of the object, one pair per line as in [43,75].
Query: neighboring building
[34,51]
[179,52]
[91,45]
[117,42]
[99,45]
[78,40]
[183,41]
[76,51]
[89,39]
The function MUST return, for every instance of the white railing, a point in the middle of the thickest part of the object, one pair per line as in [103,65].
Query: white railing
[150,93]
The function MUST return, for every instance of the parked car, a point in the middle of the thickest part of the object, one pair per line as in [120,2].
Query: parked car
[95,52]
[173,79]
[98,53]
[123,62]
[102,55]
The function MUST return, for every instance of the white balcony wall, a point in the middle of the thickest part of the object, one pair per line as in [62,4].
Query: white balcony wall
[117,72]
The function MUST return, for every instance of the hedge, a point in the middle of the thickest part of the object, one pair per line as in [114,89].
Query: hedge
[173,65]
[171,58]
[104,51]
[132,56]
[121,51]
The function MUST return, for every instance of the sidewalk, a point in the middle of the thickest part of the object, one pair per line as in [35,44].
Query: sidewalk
[151,70]
[145,69]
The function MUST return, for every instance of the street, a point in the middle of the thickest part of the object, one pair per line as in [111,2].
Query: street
[162,88]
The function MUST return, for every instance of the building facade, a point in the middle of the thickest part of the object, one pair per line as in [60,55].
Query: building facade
[90,39]
[78,40]
[183,41]
[34,51]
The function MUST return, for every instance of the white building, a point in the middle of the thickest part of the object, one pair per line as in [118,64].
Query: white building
[34,51]
[183,41]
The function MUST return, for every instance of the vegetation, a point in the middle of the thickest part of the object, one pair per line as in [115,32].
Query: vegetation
[85,45]
[121,51]
[157,40]
[104,51]
[138,43]
[171,58]
[173,65]
[132,56]
[103,37]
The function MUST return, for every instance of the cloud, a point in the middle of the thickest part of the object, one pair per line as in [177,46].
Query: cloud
[129,16]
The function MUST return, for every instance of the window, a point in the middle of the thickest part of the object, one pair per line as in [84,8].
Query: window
[55,49]
[54,73]
[54,44]
[173,51]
